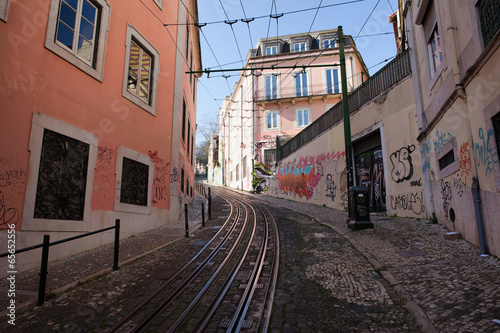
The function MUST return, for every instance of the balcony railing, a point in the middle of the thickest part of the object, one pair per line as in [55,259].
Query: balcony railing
[290,92]
[489,16]
[390,75]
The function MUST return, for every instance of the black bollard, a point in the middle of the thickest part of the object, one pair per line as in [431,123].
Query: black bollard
[203,214]
[186,219]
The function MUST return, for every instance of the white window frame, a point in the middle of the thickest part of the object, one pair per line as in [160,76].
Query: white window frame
[273,50]
[133,155]
[159,3]
[297,117]
[296,76]
[330,42]
[96,67]
[300,44]
[333,81]
[150,106]
[271,87]
[41,122]
[278,120]
[435,56]
[4,9]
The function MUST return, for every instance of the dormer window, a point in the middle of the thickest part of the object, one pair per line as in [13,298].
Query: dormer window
[329,43]
[299,47]
[271,50]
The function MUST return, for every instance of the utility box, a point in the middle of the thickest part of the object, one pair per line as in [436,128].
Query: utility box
[359,208]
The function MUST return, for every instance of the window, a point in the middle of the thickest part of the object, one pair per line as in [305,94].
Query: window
[299,47]
[272,120]
[141,71]
[182,179]
[188,138]
[329,43]
[134,175]
[184,115]
[237,172]
[271,87]
[60,181]
[77,30]
[446,159]
[332,81]
[301,84]
[269,158]
[244,167]
[302,117]
[62,178]
[134,183]
[435,52]
[271,50]
[4,9]
[489,19]
[496,128]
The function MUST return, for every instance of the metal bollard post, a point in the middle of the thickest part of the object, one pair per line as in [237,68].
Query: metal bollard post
[43,270]
[186,219]
[209,205]
[203,214]
[117,245]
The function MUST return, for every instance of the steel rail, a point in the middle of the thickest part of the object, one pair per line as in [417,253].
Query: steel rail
[155,293]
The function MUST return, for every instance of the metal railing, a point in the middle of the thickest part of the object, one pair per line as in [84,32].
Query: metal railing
[290,91]
[45,255]
[388,76]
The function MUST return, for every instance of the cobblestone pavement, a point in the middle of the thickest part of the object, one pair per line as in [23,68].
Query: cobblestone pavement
[400,276]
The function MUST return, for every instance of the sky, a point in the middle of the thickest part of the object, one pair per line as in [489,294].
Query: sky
[225,46]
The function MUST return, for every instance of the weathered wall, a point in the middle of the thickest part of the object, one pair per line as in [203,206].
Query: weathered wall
[316,172]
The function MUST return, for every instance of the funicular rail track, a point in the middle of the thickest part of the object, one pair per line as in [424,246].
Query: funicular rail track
[228,286]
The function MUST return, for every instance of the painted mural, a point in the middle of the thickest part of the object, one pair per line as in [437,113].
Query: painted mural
[261,177]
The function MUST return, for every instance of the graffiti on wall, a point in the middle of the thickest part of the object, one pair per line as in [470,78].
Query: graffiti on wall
[485,150]
[402,166]
[174,175]
[12,184]
[441,139]
[446,195]
[301,181]
[464,160]
[261,176]
[410,202]
[331,187]
[161,179]
[370,173]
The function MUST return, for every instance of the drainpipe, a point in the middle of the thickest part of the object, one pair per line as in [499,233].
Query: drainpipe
[451,27]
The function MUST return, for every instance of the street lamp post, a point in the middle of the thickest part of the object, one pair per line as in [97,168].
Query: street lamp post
[358,202]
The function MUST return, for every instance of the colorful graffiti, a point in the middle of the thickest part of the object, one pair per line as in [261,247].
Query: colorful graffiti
[301,181]
[442,138]
[485,151]
[261,176]
[464,160]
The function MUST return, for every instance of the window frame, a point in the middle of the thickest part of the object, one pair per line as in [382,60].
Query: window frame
[434,39]
[96,67]
[297,118]
[271,90]
[4,9]
[299,76]
[332,77]
[138,157]
[300,44]
[329,41]
[141,41]
[452,167]
[273,48]
[40,122]
[278,121]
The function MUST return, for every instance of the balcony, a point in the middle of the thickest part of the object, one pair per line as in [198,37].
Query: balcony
[290,92]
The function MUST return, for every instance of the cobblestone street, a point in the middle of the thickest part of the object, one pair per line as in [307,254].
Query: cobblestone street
[400,276]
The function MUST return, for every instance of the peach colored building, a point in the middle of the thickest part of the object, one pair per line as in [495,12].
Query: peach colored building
[288,82]
[97,118]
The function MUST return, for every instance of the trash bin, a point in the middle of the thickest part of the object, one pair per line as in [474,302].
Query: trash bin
[359,208]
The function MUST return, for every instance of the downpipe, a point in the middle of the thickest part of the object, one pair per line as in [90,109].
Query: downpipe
[476,197]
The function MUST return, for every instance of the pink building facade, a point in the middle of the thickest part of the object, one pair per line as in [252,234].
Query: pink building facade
[97,113]
[288,82]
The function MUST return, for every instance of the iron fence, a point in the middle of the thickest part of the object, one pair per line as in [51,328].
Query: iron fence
[390,75]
